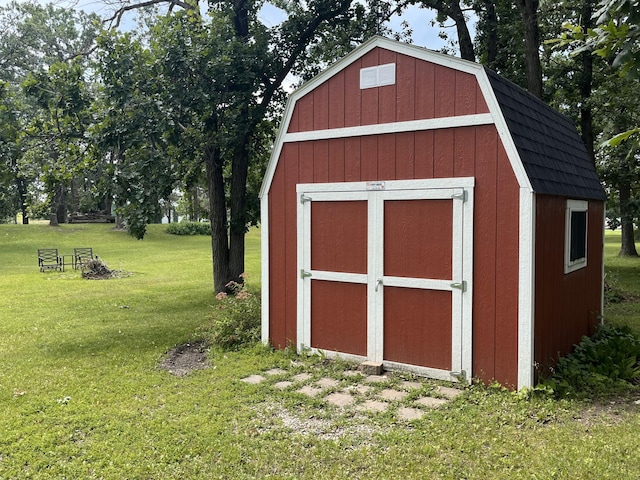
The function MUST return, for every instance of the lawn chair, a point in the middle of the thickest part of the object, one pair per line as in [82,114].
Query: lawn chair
[48,259]
[81,255]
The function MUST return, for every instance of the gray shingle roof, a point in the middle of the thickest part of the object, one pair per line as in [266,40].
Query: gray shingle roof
[548,143]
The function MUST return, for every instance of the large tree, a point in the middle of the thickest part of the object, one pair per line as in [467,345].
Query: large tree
[217,79]
[35,37]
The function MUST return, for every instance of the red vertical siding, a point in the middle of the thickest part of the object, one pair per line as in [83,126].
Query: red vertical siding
[425,91]
[321,161]
[424,142]
[406,95]
[291,177]
[336,160]
[405,156]
[443,153]
[321,107]
[336,101]
[485,241]
[567,306]
[387,157]
[369,158]
[507,268]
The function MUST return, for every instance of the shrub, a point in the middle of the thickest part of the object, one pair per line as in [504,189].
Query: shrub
[236,321]
[189,228]
[602,364]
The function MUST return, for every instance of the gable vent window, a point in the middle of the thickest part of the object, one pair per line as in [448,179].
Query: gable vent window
[575,250]
[378,76]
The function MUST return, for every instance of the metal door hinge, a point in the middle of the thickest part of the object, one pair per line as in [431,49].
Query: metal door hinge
[460,286]
[304,198]
[460,196]
[304,273]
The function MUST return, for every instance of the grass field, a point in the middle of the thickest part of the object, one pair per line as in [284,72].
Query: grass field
[82,396]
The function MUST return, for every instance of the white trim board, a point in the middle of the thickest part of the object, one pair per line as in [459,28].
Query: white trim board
[395,127]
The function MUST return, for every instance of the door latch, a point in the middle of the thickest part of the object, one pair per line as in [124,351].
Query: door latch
[378,283]
[460,286]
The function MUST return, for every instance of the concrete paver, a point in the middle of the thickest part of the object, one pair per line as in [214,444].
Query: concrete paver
[282,385]
[310,391]
[449,392]
[373,406]
[406,385]
[253,379]
[275,371]
[301,377]
[340,399]
[376,378]
[408,413]
[431,402]
[361,389]
[327,382]
[392,395]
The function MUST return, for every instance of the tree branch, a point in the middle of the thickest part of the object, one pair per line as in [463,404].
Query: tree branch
[117,16]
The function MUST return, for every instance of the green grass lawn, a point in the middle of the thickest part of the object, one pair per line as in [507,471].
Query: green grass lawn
[82,396]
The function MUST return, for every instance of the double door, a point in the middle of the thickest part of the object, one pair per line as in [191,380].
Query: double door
[385,273]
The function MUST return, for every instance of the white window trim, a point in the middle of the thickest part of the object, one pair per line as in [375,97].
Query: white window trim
[574,206]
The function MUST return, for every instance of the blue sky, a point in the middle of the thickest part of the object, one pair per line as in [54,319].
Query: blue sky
[419,19]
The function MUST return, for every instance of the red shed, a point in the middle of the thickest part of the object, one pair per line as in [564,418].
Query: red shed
[421,211]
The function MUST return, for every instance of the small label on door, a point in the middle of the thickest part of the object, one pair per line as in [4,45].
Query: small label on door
[375,185]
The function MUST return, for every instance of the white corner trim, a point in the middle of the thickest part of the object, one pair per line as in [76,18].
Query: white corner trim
[503,131]
[526,289]
[264,251]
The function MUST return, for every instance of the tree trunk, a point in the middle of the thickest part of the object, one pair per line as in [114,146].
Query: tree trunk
[60,203]
[22,193]
[492,33]
[586,83]
[75,196]
[218,217]
[465,41]
[627,245]
[529,11]
[240,168]
[452,9]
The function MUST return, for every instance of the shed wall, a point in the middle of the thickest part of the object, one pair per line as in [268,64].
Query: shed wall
[455,152]
[422,91]
[567,306]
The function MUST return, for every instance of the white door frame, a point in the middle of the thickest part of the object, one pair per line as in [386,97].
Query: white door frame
[461,283]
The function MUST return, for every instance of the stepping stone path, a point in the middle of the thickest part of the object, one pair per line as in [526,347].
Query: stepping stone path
[363,393]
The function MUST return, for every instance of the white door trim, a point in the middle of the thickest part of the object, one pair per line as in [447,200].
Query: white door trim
[460,190]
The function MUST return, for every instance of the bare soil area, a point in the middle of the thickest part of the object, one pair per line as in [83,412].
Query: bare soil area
[186,358]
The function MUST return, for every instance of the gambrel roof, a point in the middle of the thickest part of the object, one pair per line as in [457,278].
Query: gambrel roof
[551,150]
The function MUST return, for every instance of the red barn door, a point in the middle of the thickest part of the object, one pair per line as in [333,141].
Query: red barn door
[385,272]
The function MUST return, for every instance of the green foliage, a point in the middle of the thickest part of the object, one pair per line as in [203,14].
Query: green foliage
[189,228]
[602,364]
[236,321]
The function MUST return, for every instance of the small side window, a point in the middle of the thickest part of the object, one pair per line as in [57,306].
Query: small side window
[575,248]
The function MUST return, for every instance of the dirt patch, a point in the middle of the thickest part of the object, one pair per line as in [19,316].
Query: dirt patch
[185,358]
